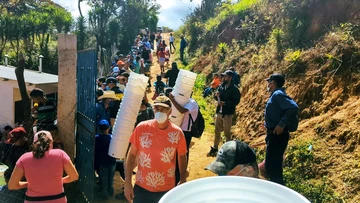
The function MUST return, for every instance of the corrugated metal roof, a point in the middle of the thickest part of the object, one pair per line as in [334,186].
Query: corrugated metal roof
[30,76]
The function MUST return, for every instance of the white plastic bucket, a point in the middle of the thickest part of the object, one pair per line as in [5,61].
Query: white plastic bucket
[134,90]
[118,148]
[177,120]
[188,74]
[232,189]
[182,100]
[184,80]
[127,114]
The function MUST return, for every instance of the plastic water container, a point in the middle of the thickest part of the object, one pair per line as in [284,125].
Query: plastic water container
[127,114]
[232,189]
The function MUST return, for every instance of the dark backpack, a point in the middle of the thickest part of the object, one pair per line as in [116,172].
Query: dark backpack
[198,125]
[293,123]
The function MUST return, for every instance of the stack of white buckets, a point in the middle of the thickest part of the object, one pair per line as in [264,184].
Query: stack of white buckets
[182,91]
[127,114]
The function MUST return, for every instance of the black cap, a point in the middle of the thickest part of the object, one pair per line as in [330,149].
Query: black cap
[231,154]
[102,80]
[228,72]
[278,78]
[125,74]
[111,80]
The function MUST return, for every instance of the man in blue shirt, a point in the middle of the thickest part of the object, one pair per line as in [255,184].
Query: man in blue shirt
[280,119]
[183,45]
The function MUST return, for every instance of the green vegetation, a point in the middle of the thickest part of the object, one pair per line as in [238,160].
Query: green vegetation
[300,159]
[2,181]
[31,27]
[228,10]
[262,37]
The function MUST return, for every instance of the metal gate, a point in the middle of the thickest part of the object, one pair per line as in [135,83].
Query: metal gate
[86,116]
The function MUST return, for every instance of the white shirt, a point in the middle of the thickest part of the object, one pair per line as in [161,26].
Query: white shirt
[193,109]
[172,39]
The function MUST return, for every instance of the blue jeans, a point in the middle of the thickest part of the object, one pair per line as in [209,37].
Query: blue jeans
[107,179]
[207,92]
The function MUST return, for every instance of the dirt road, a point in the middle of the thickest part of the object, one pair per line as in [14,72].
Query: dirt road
[198,150]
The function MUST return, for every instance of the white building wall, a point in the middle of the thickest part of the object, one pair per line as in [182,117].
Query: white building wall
[6,103]
[10,93]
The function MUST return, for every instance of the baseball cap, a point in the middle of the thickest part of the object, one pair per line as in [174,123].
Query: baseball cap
[228,72]
[231,154]
[102,80]
[104,124]
[279,78]
[116,69]
[162,101]
[47,134]
[111,80]
[18,132]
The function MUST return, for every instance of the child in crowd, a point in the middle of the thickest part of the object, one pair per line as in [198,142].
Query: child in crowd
[161,57]
[159,87]
[104,164]
[213,85]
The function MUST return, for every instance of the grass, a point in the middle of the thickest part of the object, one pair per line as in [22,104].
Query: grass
[228,10]
[2,181]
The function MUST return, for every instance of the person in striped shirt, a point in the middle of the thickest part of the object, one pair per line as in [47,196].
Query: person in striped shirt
[46,110]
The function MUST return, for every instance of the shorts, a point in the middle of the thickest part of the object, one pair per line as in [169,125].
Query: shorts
[161,61]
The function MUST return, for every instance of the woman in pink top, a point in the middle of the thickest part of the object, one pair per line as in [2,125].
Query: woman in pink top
[43,169]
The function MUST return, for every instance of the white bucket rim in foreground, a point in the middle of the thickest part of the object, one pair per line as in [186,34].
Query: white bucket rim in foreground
[232,189]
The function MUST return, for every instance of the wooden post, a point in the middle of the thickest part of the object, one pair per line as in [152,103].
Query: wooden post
[67,91]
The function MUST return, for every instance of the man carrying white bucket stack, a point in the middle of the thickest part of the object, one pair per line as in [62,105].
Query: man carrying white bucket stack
[155,143]
[190,111]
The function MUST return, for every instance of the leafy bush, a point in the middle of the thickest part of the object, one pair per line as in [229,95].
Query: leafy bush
[222,50]
[300,174]
[293,56]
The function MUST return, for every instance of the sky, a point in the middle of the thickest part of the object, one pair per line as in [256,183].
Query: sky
[171,13]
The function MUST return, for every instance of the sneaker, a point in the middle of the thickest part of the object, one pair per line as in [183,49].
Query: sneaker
[213,152]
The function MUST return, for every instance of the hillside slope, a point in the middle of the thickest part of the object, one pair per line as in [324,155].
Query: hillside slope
[320,57]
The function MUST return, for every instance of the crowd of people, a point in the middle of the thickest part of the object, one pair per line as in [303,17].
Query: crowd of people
[158,148]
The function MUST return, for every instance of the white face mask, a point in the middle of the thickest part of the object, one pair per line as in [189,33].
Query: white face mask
[161,117]
[267,87]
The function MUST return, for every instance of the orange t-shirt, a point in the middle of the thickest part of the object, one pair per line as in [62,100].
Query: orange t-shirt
[120,63]
[157,155]
[215,83]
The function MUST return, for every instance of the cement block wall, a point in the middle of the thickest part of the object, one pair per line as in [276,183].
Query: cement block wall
[67,91]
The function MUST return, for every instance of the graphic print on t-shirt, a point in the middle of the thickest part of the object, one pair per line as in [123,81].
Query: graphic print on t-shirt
[157,155]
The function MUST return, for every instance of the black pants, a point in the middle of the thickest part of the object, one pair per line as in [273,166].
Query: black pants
[276,145]
[144,196]
[181,54]
[188,138]
[172,45]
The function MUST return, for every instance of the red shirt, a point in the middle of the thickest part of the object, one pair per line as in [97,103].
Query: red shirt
[161,54]
[156,154]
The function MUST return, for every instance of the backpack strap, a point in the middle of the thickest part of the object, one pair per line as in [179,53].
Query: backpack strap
[190,120]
